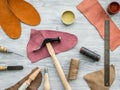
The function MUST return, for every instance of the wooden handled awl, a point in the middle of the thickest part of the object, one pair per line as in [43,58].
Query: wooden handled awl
[29,80]
[46,80]
[17,67]
[5,50]
[59,69]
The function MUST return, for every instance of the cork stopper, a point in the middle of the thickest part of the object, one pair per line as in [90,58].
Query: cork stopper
[73,70]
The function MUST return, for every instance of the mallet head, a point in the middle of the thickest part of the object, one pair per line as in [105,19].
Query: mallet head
[58,39]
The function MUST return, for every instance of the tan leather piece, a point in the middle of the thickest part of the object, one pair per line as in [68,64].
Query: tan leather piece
[97,15]
[95,80]
[8,21]
[25,12]
[33,86]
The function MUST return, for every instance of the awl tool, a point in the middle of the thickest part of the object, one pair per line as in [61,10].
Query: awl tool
[46,80]
[107,53]
[18,67]
[5,50]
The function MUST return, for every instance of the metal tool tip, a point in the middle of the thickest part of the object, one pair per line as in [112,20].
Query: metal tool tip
[46,70]
[59,38]
[36,49]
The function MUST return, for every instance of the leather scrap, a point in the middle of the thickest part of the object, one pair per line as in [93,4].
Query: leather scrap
[8,21]
[96,16]
[34,84]
[24,11]
[95,80]
[12,12]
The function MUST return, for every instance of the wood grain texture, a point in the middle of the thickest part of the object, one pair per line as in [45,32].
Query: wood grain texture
[51,11]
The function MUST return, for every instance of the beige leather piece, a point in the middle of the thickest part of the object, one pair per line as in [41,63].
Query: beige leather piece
[95,80]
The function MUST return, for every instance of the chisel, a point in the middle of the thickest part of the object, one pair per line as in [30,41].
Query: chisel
[107,53]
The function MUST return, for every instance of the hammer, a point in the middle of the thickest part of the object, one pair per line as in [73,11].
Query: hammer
[47,43]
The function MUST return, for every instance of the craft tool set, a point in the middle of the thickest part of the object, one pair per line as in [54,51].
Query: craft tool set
[44,43]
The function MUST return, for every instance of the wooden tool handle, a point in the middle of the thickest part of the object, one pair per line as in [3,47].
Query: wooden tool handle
[33,76]
[3,68]
[3,49]
[23,86]
[46,82]
[58,67]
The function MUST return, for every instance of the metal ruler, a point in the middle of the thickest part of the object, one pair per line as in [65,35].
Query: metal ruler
[107,53]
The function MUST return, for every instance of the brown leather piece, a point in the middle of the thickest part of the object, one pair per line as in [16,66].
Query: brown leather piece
[94,12]
[8,21]
[34,84]
[95,80]
[24,11]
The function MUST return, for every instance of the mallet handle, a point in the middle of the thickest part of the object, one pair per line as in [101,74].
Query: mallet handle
[58,67]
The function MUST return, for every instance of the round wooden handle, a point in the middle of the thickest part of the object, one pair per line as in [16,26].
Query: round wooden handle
[46,82]
[34,74]
[3,49]
[3,68]
[58,67]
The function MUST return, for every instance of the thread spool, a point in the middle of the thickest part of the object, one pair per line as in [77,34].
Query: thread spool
[73,70]
[3,49]
[90,54]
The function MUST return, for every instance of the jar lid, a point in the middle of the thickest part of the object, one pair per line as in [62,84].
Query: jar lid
[68,17]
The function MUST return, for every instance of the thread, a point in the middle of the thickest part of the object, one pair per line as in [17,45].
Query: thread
[90,54]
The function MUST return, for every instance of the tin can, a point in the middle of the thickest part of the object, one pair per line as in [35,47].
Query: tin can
[68,17]
[113,8]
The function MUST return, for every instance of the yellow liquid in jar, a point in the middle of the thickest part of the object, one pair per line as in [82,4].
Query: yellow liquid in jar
[68,17]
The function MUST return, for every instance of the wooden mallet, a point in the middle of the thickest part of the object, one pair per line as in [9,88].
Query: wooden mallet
[47,42]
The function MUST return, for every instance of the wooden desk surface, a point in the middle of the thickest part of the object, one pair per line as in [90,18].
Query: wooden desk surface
[50,11]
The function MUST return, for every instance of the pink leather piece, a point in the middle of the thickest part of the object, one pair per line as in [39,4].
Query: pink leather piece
[68,41]
[94,12]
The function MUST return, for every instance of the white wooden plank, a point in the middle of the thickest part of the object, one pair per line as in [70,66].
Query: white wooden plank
[51,11]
